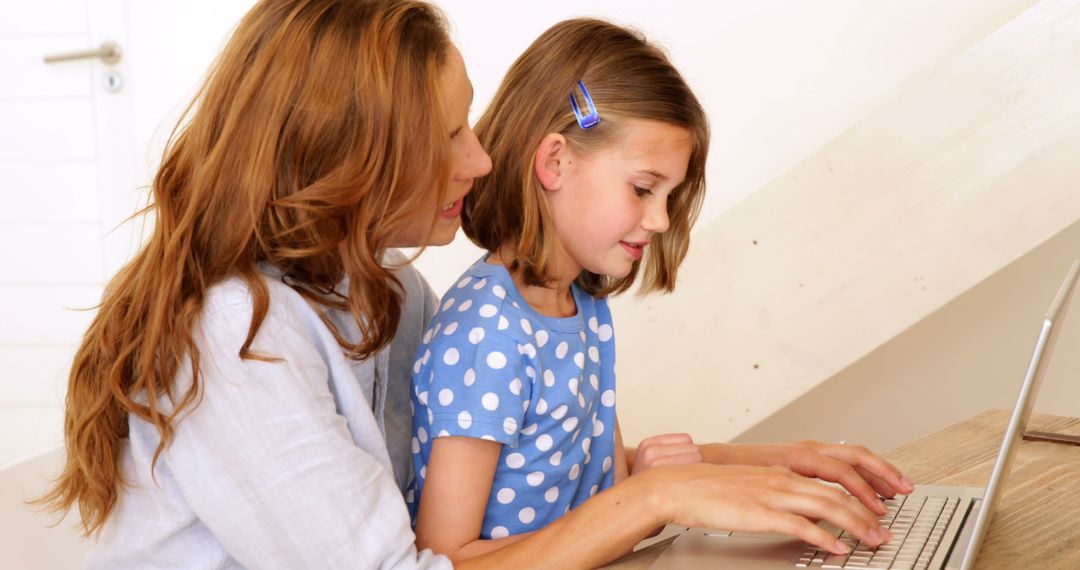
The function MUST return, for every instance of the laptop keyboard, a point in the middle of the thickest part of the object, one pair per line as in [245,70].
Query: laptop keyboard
[917,524]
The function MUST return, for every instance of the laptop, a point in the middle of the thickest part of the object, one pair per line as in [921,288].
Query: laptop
[935,527]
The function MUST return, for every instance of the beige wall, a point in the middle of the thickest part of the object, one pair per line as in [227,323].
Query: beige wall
[967,357]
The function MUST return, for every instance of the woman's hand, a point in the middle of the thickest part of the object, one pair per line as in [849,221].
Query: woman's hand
[863,473]
[666,449]
[761,499]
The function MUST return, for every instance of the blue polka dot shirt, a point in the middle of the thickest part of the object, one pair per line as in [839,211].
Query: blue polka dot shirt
[491,367]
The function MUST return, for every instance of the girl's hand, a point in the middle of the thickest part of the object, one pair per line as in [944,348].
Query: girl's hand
[666,449]
[761,499]
[863,473]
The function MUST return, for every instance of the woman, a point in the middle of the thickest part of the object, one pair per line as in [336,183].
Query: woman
[240,399]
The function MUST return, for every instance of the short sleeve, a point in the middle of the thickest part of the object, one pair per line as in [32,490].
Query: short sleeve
[476,383]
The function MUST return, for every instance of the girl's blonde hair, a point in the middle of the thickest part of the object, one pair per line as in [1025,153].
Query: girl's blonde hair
[317,136]
[628,78]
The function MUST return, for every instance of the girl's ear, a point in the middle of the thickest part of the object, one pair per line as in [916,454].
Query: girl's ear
[551,161]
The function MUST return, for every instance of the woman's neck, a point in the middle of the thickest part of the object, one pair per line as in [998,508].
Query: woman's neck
[556,299]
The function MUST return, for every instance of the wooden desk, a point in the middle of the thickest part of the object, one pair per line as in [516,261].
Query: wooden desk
[1037,524]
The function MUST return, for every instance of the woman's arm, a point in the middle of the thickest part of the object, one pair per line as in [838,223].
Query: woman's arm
[863,473]
[455,496]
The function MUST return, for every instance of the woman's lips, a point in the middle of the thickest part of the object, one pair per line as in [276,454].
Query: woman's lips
[452,210]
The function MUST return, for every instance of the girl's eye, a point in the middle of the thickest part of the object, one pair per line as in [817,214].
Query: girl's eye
[455,132]
[641,191]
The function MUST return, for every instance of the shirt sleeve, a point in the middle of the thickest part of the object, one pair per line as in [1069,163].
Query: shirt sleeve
[269,466]
[473,381]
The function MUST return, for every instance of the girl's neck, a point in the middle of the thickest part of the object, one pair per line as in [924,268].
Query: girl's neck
[555,300]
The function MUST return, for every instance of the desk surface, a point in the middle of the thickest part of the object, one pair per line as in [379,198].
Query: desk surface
[1037,524]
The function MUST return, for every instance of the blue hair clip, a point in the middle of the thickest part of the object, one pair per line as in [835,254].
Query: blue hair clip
[588,120]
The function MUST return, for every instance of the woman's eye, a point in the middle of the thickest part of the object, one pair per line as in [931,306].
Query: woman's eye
[455,132]
[641,191]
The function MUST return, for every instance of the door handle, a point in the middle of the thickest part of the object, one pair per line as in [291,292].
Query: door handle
[109,53]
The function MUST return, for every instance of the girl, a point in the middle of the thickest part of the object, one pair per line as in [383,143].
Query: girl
[599,150]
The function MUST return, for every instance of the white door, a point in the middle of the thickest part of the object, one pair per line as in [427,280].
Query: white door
[64,171]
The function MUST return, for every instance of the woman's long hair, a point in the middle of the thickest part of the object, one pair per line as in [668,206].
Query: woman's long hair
[317,136]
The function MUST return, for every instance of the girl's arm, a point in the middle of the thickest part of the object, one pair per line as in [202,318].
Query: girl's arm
[731,497]
[455,496]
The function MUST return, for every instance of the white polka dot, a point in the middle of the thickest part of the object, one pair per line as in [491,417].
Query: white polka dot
[464,419]
[499,291]
[450,329]
[527,349]
[541,338]
[430,416]
[488,437]
[560,351]
[515,386]
[594,381]
[551,495]
[427,336]
[581,400]
[549,378]
[526,515]
[529,430]
[593,324]
[415,445]
[500,532]
[586,444]
[437,327]
[608,398]
[422,396]
[515,460]
[505,495]
[427,355]
[607,464]
[525,326]
[480,284]
[490,401]
[410,496]
[544,442]
[541,406]
[446,396]
[593,490]
[573,384]
[496,360]
[575,470]
[570,424]
[416,366]
[605,332]
[423,472]
[503,323]
[443,433]
[470,377]
[509,426]
[488,311]
[464,306]
[464,282]
[476,335]
[421,434]
[582,335]
[530,372]
[556,458]
[559,412]
[449,303]
[598,428]
[451,356]
[588,458]
[579,359]
[594,354]
[535,478]
[524,405]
